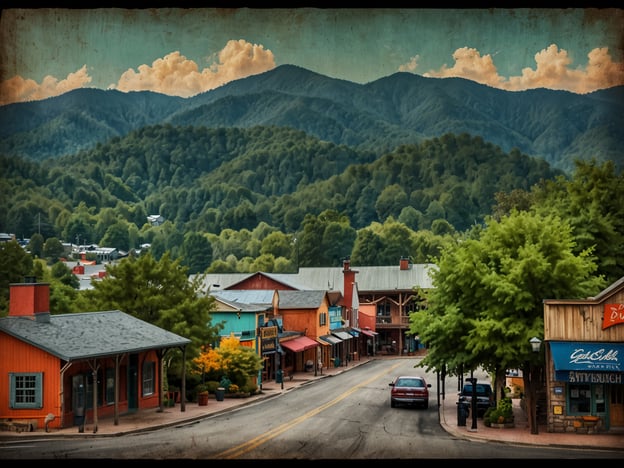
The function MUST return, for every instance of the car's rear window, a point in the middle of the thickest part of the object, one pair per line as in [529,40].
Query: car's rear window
[410,383]
[481,389]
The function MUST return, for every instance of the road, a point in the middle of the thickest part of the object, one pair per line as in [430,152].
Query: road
[347,416]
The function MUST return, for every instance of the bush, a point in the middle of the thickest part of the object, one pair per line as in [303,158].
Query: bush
[201,388]
[213,385]
[503,413]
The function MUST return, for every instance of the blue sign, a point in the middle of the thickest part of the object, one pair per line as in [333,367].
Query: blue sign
[584,356]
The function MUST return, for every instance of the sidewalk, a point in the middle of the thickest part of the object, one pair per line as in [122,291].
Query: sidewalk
[150,419]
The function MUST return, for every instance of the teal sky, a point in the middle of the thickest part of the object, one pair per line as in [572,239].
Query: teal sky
[45,52]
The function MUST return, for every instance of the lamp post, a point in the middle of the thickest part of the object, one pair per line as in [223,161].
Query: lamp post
[532,383]
[473,402]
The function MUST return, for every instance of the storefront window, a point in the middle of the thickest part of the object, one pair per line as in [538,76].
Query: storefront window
[579,398]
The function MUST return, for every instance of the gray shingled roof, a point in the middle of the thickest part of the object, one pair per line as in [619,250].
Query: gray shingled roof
[301,299]
[249,298]
[90,334]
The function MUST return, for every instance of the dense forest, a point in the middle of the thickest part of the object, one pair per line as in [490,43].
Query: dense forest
[213,180]
[415,202]
[402,108]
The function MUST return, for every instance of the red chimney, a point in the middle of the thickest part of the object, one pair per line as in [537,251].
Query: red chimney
[404,265]
[349,281]
[30,299]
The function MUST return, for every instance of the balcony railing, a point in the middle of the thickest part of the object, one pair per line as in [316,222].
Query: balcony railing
[387,320]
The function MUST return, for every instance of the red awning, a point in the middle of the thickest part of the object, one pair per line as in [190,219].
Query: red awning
[369,332]
[299,344]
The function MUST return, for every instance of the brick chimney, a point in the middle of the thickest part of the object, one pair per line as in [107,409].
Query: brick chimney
[404,263]
[349,281]
[30,299]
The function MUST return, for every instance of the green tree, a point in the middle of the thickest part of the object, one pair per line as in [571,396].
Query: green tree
[592,201]
[390,202]
[35,245]
[64,275]
[196,252]
[487,299]
[159,292]
[396,239]
[325,239]
[367,247]
[15,264]
[117,236]
[53,249]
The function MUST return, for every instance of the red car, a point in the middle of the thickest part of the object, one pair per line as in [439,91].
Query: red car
[409,390]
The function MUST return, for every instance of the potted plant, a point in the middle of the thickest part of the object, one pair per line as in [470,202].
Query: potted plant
[501,416]
[202,394]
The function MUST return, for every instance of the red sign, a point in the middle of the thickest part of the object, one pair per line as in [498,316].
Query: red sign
[613,314]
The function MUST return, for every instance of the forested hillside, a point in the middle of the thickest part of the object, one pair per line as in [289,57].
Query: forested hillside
[208,180]
[402,108]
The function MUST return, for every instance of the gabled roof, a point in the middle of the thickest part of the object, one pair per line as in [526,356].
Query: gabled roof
[369,279]
[90,334]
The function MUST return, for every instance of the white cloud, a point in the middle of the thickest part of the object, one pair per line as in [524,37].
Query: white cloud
[553,71]
[178,76]
[18,89]
[411,65]
[174,75]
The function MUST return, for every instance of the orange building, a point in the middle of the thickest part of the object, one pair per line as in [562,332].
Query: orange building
[60,370]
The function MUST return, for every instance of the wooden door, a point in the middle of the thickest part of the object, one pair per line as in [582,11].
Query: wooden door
[616,406]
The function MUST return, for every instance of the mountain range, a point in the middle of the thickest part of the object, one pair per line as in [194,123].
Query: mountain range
[377,117]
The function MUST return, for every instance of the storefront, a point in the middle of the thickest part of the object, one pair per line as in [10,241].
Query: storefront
[592,380]
[585,362]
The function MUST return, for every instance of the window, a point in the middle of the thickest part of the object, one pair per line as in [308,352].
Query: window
[149,374]
[579,398]
[322,319]
[26,390]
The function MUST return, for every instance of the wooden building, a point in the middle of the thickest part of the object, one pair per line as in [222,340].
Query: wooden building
[58,371]
[584,356]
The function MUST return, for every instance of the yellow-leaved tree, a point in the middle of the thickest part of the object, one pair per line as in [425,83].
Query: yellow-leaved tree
[234,365]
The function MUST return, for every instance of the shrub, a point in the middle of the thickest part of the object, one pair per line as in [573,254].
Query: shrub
[201,388]
[503,413]
[213,385]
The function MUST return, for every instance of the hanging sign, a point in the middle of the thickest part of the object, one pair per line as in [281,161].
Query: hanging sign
[613,315]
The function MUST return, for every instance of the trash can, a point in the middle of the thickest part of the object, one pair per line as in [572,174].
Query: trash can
[462,413]
[220,393]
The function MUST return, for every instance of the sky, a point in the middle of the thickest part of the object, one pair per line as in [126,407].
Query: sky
[187,51]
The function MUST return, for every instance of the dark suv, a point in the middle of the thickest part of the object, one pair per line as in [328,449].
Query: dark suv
[485,397]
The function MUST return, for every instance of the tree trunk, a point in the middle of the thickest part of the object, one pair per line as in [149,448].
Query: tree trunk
[529,376]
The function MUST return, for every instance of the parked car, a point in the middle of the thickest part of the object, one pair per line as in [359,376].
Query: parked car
[409,390]
[485,397]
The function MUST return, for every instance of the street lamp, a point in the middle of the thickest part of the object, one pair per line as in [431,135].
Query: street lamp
[473,401]
[533,372]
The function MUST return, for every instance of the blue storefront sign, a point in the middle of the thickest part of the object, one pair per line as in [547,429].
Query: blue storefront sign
[588,362]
